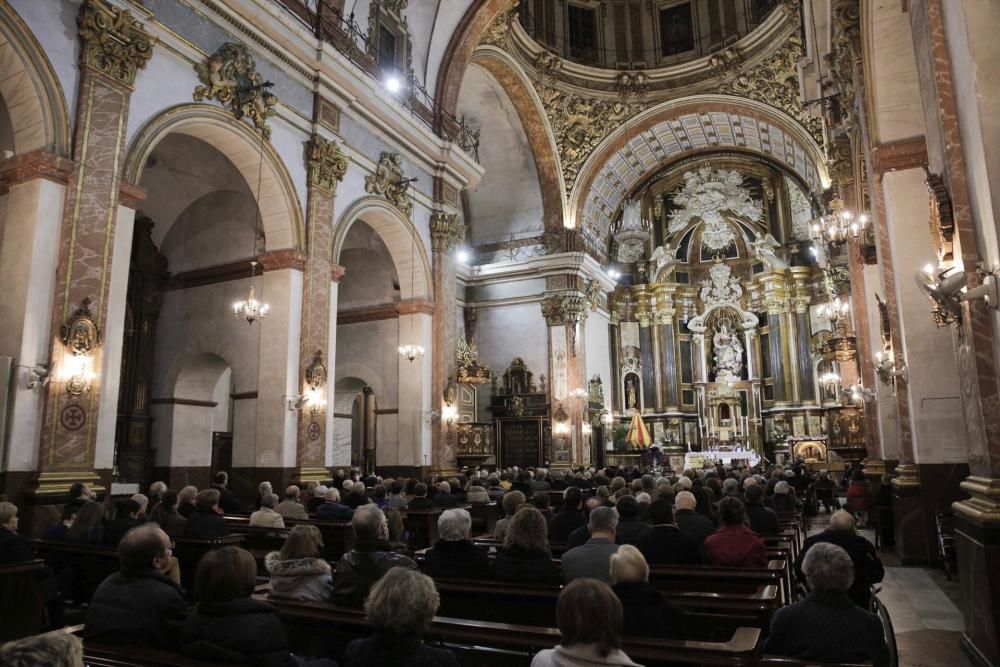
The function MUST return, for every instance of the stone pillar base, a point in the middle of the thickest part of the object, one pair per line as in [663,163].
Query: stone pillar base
[909,517]
[304,475]
[874,468]
[59,483]
[977,541]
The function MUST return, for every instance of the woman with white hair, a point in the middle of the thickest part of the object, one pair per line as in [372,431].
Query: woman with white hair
[646,612]
[827,626]
[454,554]
[783,501]
[267,515]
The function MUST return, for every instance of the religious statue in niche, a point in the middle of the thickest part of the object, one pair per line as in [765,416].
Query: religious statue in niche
[728,354]
[708,194]
[631,393]
[596,393]
[721,288]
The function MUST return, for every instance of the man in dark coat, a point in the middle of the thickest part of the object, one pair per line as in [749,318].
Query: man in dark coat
[868,568]
[689,520]
[332,509]
[569,518]
[592,559]
[372,556]
[763,520]
[125,519]
[420,500]
[454,554]
[206,522]
[827,626]
[228,501]
[444,497]
[664,543]
[138,604]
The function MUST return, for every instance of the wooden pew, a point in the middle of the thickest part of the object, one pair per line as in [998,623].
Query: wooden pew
[21,612]
[484,517]
[322,629]
[96,654]
[775,661]
[338,536]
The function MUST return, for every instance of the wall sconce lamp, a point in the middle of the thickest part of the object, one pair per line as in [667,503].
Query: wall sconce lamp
[38,376]
[948,289]
[81,337]
[312,395]
[885,368]
[449,411]
[830,380]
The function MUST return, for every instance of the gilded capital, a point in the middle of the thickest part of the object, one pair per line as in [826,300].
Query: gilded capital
[564,309]
[112,41]
[327,165]
[446,231]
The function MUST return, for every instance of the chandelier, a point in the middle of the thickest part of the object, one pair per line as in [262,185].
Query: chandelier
[838,226]
[835,309]
[250,309]
[830,380]
[411,352]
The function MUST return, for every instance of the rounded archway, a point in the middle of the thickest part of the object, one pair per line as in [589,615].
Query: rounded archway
[280,212]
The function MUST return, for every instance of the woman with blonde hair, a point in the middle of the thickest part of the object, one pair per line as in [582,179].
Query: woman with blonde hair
[525,554]
[298,571]
[185,501]
[400,607]
[646,611]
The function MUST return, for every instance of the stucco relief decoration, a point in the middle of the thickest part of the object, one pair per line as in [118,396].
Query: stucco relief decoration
[560,363]
[113,41]
[447,231]
[845,50]
[547,64]
[708,195]
[721,290]
[595,393]
[595,294]
[662,258]
[564,309]
[728,354]
[230,77]
[470,371]
[389,181]
[497,31]
[81,337]
[632,233]
[801,211]
[633,84]
[766,248]
[327,165]
[316,372]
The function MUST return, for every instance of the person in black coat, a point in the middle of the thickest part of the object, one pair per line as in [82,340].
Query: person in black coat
[137,604]
[332,509]
[689,519]
[827,626]
[228,625]
[867,568]
[228,501]
[525,555]
[369,560]
[666,544]
[444,497]
[763,520]
[126,512]
[629,525]
[420,500]
[207,521]
[454,555]
[399,607]
[57,532]
[646,612]
[569,518]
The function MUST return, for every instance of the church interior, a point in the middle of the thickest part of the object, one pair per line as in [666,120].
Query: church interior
[541,243]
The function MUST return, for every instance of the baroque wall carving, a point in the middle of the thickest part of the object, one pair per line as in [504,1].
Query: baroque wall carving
[447,231]
[390,182]
[327,165]
[230,77]
[113,42]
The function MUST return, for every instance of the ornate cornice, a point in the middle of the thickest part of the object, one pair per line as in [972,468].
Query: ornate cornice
[112,41]
[230,76]
[845,50]
[326,164]
[390,182]
[447,231]
[558,309]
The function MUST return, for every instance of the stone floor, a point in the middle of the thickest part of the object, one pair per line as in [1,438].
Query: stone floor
[924,608]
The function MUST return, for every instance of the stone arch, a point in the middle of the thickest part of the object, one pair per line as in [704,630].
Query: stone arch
[30,89]
[464,40]
[281,215]
[198,376]
[679,128]
[536,127]
[399,235]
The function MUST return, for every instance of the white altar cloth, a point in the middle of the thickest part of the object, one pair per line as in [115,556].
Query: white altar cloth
[696,460]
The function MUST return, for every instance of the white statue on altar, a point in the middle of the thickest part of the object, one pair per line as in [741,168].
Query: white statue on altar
[728,354]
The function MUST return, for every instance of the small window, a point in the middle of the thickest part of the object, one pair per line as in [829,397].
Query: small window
[676,30]
[582,33]
[386,47]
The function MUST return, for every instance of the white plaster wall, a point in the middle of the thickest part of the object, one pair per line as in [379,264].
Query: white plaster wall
[895,90]
[340,454]
[51,22]
[220,413]
[216,229]
[938,425]
[30,216]
[885,401]
[508,200]
[505,332]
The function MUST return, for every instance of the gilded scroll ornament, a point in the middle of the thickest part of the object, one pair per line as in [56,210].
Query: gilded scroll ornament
[547,64]
[595,294]
[316,372]
[113,42]
[80,334]
[447,231]
[389,181]
[230,76]
[497,31]
[845,49]
[470,371]
[327,165]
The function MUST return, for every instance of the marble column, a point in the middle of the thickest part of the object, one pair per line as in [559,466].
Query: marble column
[563,312]
[114,46]
[326,166]
[31,207]
[668,359]
[447,232]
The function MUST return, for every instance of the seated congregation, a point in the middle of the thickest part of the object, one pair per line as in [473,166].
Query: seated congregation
[586,567]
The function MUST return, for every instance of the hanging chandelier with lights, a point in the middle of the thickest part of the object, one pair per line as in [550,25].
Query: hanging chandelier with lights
[839,226]
[411,351]
[251,309]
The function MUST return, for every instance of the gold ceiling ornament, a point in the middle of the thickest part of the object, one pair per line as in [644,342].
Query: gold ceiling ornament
[447,231]
[547,64]
[841,163]
[580,124]
[497,31]
[470,371]
[559,309]
[230,76]
[327,165]
[390,182]
[113,42]
[775,81]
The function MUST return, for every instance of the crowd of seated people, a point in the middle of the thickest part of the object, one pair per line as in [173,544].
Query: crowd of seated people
[613,524]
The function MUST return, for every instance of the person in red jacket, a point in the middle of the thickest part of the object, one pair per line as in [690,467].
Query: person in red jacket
[860,498]
[734,544]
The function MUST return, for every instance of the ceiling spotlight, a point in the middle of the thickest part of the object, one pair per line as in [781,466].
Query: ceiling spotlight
[393,84]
